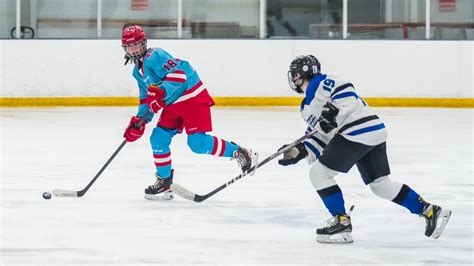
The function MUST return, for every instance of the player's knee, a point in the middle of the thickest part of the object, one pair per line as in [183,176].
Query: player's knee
[321,176]
[196,142]
[161,138]
[385,188]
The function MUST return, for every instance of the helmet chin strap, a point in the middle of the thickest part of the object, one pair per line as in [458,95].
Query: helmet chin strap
[298,88]
[127,59]
[134,60]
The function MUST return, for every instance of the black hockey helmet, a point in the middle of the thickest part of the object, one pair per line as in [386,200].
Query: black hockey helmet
[302,68]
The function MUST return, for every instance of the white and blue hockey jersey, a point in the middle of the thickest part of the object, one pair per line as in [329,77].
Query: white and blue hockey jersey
[356,121]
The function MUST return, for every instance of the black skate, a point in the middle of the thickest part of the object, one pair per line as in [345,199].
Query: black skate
[161,189]
[436,219]
[247,160]
[337,231]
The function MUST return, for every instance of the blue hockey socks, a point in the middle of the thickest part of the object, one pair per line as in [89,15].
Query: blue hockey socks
[409,199]
[333,199]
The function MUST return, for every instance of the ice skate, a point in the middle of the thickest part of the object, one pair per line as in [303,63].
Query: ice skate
[436,220]
[161,189]
[337,231]
[247,160]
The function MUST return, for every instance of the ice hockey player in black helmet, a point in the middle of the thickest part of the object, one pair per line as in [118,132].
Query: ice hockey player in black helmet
[349,134]
[302,68]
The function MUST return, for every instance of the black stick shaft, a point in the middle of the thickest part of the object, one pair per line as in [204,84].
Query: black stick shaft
[82,192]
[200,198]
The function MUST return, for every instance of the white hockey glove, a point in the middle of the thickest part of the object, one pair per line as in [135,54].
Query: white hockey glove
[293,155]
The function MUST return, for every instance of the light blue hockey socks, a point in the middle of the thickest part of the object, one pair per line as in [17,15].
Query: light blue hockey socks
[203,143]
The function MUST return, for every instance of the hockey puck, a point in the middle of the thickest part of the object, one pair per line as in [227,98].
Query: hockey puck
[46,195]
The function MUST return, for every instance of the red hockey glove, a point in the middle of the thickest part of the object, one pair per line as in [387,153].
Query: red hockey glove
[155,98]
[133,132]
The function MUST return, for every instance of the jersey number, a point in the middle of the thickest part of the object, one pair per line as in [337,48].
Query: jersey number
[328,84]
[170,64]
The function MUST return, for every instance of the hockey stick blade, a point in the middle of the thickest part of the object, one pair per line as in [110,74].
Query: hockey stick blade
[187,194]
[80,193]
[65,193]
[183,192]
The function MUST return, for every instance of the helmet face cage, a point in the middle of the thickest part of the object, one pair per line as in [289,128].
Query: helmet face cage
[301,69]
[292,77]
[134,38]
[134,56]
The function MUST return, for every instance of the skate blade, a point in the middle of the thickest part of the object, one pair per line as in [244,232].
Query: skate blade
[341,238]
[165,196]
[444,215]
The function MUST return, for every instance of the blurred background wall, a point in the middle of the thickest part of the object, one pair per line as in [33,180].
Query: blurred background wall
[39,68]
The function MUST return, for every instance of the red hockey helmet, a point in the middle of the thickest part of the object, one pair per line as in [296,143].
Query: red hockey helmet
[134,42]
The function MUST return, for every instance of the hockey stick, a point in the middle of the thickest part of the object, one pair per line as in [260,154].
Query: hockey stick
[187,194]
[80,193]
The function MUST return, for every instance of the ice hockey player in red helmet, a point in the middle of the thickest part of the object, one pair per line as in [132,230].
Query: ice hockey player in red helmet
[134,42]
[173,86]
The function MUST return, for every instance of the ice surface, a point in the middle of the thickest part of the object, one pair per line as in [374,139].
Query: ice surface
[267,218]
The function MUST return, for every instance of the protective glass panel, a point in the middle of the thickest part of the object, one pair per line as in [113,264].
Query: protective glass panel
[327,20]
[7,19]
[157,17]
[293,18]
[63,18]
[452,19]
[220,19]
[386,19]
[315,19]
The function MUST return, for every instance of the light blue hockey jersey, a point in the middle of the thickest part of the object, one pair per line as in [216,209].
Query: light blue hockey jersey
[177,77]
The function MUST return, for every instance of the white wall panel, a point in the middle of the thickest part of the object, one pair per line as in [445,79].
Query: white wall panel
[56,68]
